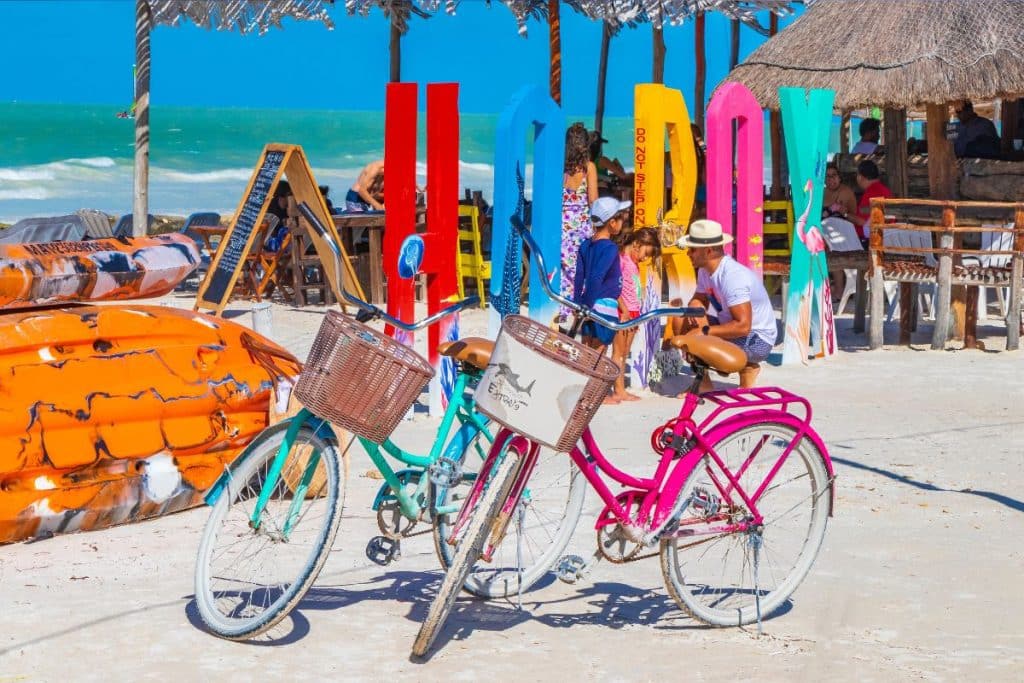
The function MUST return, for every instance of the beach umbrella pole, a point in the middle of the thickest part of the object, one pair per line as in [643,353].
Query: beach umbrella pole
[658,61]
[396,53]
[700,76]
[602,74]
[140,203]
[555,49]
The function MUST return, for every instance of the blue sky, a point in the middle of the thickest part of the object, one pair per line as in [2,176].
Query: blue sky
[83,50]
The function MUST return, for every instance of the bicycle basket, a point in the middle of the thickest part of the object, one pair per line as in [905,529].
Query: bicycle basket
[360,379]
[543,384]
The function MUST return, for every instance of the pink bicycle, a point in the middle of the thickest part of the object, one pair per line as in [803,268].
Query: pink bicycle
[738,502]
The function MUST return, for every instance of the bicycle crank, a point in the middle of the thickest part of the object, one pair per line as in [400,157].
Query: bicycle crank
[383,550]
[391,522]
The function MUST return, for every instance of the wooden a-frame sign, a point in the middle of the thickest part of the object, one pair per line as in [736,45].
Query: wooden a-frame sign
[276,160]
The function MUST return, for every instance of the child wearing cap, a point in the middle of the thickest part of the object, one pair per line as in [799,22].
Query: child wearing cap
[598,281]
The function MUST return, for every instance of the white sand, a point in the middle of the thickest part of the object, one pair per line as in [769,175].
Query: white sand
[919,576]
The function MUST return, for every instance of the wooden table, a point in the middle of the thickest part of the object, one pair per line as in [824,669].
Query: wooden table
[373,222]
[837,260]
[207,233]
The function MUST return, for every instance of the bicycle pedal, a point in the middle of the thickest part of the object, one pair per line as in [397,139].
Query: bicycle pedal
[570,569]
[383,550]
[445,473]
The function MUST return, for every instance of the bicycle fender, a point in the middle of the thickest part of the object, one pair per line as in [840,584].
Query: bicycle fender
[213,494]
[678,476]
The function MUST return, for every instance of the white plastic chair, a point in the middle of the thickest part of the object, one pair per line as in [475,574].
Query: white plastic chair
[994,241]
[913,239]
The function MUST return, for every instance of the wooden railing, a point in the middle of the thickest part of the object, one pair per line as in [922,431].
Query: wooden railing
[948,251]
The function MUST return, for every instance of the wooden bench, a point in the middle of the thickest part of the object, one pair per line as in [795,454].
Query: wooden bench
[910,266]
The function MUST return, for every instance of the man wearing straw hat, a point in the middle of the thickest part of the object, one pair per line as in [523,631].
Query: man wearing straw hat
[744,312]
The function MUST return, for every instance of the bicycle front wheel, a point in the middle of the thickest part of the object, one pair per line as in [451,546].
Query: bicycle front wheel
[251,573]
[541,527]
[730,578]
[481,519]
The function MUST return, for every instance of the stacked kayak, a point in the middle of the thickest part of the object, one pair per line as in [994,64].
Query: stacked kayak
[117,413]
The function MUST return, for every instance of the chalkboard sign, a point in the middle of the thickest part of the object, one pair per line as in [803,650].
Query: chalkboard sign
[236,242]
[277,160]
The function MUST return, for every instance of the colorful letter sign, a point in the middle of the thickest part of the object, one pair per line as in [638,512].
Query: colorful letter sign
[806,121]
[658,109]
[439,242]
[532,108]
[734,102]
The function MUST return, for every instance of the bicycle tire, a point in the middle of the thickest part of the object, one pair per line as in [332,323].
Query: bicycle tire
[213,601]
[692,593]
[505,584]
[477,530]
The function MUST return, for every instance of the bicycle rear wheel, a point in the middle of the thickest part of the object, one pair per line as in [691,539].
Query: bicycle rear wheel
[248,579]
[549,511]
[729,578]
[479,525]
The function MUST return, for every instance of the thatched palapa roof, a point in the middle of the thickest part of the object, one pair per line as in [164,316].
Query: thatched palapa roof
[894,53]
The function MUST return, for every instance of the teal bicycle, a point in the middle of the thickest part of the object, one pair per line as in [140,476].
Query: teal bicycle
[276,511]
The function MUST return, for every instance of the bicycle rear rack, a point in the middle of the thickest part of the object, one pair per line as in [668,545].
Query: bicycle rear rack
[750,398]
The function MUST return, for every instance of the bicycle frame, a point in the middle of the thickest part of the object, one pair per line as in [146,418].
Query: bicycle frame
[648,505]
[459,408]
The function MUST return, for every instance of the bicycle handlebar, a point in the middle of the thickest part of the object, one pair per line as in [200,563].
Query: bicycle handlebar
[583,311]
[374,311]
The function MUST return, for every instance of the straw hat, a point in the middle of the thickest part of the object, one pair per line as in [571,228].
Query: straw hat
[704,233]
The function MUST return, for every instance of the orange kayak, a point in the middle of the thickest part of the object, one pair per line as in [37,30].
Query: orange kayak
[113,414]
[96,270]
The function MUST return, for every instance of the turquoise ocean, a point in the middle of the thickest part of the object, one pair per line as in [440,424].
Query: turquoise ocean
[57,158]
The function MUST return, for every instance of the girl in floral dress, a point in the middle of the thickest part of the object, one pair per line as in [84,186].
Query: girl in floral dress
[579,191]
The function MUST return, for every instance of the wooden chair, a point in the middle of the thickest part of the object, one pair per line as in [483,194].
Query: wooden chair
[471,265]
[266,268]
[307,271]
[251,276]
[778,241]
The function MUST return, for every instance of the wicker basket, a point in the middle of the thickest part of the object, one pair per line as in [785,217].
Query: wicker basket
[360,379]
[543,384]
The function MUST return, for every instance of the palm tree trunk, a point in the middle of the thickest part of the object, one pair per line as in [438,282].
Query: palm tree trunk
[700,77]
[734,47]
[140,203]
[396,53]
[602,74]
[658,60]
[775,128]
[555,48]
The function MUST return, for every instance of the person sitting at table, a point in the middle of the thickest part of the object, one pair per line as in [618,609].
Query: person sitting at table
[838,199]
[367,193]
[870,131]
[872,188]
[976,136]
[326,190]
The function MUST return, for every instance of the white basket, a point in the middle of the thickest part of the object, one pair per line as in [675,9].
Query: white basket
[542,384]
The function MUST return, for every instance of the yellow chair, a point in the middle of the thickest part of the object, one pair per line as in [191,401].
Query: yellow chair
[471,265]
[774,227]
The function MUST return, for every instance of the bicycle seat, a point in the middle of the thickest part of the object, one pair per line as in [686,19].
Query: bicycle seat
[716,353]
[473,350]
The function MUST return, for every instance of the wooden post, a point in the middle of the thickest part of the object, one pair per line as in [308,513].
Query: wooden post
[140,202]
[602,75]
[700,69]
[658,58]
[945,274]
[844,133]
[734,45]
[555,50]
[1017,272]
[942,167]
[1010,115]
[907,291]
[859,302]
[876,336]
[971,318]
[396,53]
[778,191]
[896,150]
